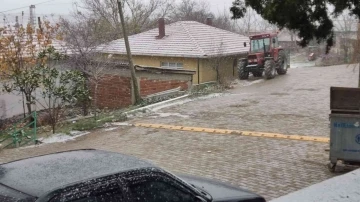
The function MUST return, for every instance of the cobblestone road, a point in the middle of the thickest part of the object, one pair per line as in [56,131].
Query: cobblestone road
[269,167]
[297,103]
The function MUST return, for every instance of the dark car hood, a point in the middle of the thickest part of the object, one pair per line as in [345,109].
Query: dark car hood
[222,192]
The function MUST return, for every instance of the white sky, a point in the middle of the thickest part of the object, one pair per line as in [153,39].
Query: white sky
[63,7]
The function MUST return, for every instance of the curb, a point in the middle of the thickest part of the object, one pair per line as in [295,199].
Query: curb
[152,106]
[236,132]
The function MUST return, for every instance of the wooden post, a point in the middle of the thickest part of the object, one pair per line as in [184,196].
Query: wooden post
[128,50]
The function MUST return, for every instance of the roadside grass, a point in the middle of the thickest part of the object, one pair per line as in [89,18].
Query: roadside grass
[102,117]
[91,123]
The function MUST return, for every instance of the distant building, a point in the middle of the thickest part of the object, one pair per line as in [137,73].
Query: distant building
[288,40]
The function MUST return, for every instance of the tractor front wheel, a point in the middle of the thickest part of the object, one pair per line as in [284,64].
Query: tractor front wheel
[270,70]
[243,73]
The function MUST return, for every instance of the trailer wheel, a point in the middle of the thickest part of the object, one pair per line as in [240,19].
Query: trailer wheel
[270,70]
[243,73]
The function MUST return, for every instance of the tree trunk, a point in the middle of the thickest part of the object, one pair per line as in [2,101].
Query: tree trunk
[28,103]
[23,103]
[85,103]
[53,127]
[218,75]
[136,90]
[95,99]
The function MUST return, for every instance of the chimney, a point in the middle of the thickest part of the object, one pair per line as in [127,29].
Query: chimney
[161,28]
[209,21]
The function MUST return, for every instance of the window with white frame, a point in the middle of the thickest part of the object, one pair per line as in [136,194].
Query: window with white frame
[172,65]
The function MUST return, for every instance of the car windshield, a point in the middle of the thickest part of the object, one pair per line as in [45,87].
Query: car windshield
[257,45]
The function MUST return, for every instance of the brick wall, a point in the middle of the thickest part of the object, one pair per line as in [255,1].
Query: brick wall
[152,86]
[113,92]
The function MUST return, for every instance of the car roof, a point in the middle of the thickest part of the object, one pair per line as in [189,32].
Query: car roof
[39,175]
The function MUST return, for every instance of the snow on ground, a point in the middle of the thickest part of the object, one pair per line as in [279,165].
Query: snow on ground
[121,124]
[184,101]
[245,83]
[173,114]
[61,137]
[110,129]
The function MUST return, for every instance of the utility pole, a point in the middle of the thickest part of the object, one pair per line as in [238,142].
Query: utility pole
[136,90]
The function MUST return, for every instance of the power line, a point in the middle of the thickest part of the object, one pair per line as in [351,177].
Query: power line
[26,6]
[56,4]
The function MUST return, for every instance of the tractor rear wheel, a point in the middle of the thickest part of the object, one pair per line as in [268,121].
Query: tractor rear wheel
[282,63]
[243,73]
[270,70]
[257,74]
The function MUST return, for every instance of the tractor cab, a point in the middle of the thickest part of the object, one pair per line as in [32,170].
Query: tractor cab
[262,46]
[265,56]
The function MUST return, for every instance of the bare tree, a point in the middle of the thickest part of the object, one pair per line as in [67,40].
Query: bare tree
[223,21]
[356,54]
[144,17]
[83,37]
[139,16]
[191,10]
[254,23]
[248,23]
[217,62]
[345,26]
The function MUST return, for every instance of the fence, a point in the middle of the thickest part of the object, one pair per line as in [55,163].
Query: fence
[20,133]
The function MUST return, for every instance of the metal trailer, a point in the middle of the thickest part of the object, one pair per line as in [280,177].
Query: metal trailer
[344,126]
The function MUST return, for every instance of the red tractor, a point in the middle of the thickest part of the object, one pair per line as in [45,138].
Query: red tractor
[265,57]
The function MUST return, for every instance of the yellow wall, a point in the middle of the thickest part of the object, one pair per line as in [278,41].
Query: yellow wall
[207,72]
[155,61]
[227,69]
